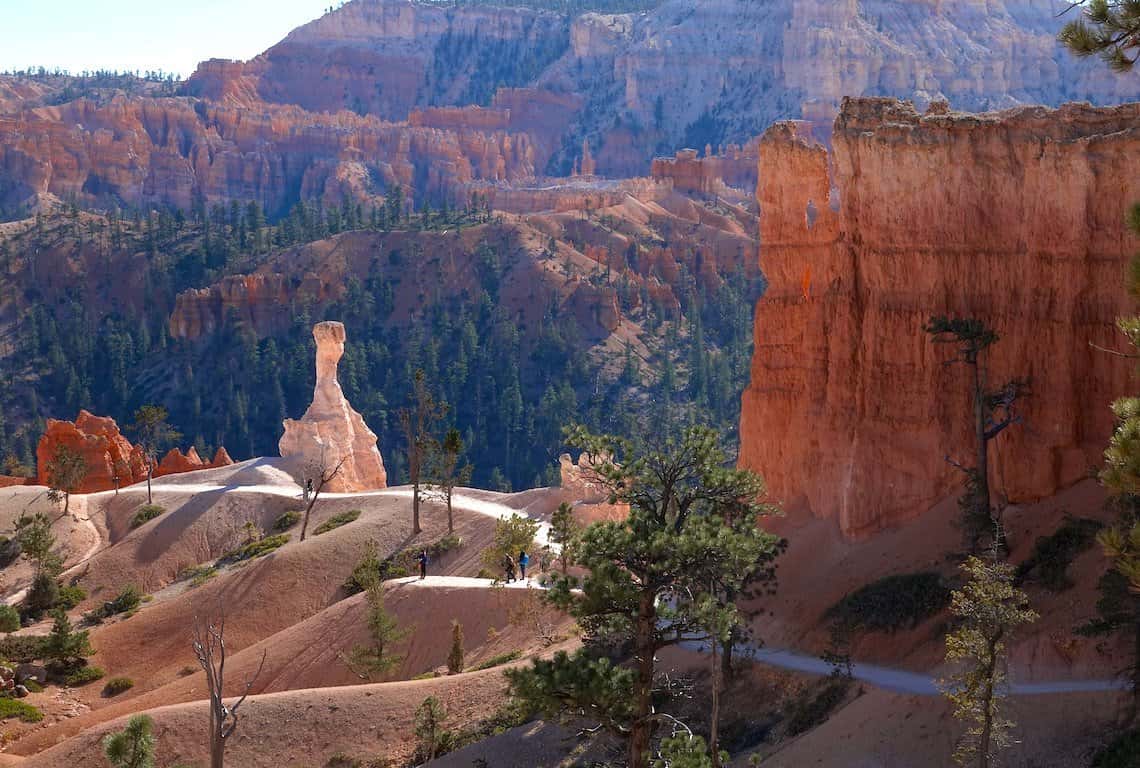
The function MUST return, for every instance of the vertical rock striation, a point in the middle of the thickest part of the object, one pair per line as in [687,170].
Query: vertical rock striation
[331,432]
[1014,217]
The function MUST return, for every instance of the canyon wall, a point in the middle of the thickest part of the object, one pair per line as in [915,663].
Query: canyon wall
[146,151]
[689,72]
[1014,217]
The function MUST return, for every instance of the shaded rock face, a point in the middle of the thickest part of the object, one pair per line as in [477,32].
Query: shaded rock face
[1016,218]
[331,432]
[104,449]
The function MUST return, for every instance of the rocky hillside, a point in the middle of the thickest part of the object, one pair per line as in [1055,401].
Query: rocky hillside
[686,72]
[856,272]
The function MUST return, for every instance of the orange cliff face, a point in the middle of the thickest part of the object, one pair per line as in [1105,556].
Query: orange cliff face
[1016,218]
[112,461]
[167,151]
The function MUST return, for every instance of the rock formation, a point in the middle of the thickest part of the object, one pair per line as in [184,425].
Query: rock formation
[175,461]
[108,454]
[330,432]
[1014,217]
[104,449]
[713,69]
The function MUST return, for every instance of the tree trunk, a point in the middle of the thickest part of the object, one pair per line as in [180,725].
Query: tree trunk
[1136,659]
[217,743]
[149,473]
[714,726]
[726,656]
[641,729]
[987,703]
[66,501]
[416,505]
[450,518]
[983,464]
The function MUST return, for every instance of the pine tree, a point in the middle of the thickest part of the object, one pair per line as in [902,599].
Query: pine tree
[384,631]
[1107,28]
[66,471]
[152,432]
[994,411]
[132,747]
[990,609]
[455,657]
[692,522]
[445,472]
[564,531]
[417,424]
[65,647]
[429,727]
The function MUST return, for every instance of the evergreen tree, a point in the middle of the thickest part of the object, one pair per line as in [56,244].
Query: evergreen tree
[429,727]
[66,471]
[1107,28]
[692,521]
[564,531]
[384,631]
[455,657]
[132,747]
[990,609]
[417,424]
[445,472]
[994,411]
[152,433]
[64,647]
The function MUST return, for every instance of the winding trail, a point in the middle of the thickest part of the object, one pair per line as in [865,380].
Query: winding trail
[886,678]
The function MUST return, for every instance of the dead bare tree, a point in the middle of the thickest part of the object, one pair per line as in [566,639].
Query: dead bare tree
[210,649]
[315,476]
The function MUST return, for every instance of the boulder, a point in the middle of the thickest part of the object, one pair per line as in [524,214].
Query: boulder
[331,432]
[25,672]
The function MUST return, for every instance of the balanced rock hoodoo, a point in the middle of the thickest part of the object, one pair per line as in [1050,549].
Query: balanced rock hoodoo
[331,431]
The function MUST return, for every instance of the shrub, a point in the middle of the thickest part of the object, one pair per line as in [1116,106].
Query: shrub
[455,657]
[893,602]
[33,686]
[813,709]
[42,595]
[127,601]
[198,574]
[146,513]
[253,549]
[1052,555]
[495,661]
[117,685]
[286,521]
[9,619]
[485,574]
[70,596]
[22,648]
[83,676]
[16,708]
[1123,752]
[336,521]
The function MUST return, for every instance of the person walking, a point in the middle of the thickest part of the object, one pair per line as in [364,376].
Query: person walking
[509,568]
[523,561]
[423,560]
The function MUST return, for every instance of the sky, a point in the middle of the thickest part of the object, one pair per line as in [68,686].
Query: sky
[171,35]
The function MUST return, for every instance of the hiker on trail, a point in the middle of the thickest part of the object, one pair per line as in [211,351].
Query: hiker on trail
[423,560]
[509,568]
[523,560]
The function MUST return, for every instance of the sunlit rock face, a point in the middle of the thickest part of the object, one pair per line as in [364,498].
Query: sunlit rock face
[331,432]
[1014,217]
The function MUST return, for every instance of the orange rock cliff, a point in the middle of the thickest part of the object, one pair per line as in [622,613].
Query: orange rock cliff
[108,454]
[851,409]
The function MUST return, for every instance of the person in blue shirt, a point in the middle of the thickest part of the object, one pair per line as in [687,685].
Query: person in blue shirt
[423,560]
[523,560]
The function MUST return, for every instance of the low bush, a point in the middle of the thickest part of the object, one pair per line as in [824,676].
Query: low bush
[15,708]
[70,595]
[1052,555]
[83,676]
[495,661]
[42,596]
[336,521]
[813,708]
[117,685]
[253,549]
[395,566]
[22,648]
[893,602]
[33,686]
[146,513]
[9,619]
[286,521]
[1122,752]
[198,574]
